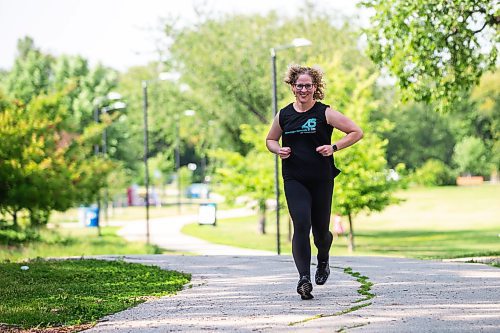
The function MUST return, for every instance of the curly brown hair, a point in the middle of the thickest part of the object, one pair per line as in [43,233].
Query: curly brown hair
[294,71]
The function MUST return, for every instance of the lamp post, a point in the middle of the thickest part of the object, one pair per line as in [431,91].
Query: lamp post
[96,152]
[188,113]
[118,105]
[98,110]
[146,152]
[297,42]
[168,76]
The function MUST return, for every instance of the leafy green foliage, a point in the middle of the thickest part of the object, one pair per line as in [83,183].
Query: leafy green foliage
[185,178]
[43,166]
[436,49]
[47,133]
[232,85]
[434,173]
[364,184]
[251,175]
[31,72]
[485,121]
[54,293]
[9,237]
[417,134]
[470,156]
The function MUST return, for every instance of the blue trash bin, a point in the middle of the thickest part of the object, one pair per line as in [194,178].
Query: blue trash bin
[92,216]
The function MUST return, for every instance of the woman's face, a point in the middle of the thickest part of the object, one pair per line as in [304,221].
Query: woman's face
[304,88]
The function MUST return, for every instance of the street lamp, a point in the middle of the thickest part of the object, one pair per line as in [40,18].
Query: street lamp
[146,152]
[187,113]
[167,76]
[118,105]
[98,110]
[297,42]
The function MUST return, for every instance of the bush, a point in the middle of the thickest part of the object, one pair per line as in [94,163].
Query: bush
[470,155]
[16,237]
[434,173]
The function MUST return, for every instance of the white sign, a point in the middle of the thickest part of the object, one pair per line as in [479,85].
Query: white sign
[207,214]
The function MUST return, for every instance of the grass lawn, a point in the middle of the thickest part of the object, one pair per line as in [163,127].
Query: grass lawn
[75,292]
[440,222]
[75,242]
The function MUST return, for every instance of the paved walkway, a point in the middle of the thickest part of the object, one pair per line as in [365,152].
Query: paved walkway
[257,294]
[238,290]
[166,233]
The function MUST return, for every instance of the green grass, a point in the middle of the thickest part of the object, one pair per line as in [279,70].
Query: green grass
[365,288]
[75,242]
[72,292]
[441,222]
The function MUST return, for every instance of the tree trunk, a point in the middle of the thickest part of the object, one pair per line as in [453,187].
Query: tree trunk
[14,218]
[262,218]
[351,246]
[38,217]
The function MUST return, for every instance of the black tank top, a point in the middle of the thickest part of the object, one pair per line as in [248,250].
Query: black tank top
[303,132]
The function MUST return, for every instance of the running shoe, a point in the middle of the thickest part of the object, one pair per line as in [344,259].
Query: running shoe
[304,287]
[322,272]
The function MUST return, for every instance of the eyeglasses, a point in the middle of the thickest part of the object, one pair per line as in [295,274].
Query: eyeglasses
[299,86]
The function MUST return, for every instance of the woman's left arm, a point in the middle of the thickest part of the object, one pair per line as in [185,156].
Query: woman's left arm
[338,120]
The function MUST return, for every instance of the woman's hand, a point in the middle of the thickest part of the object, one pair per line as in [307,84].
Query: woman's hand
[325,150]
[284,152]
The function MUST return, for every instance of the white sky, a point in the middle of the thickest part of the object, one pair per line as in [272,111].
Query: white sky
[117,33]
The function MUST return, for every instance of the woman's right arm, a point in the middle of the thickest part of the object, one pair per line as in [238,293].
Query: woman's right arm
[272,140]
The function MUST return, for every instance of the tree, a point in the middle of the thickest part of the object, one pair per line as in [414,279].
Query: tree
[470,156]
[436,49]
[167,102]
[232,86]
[251,175]
[417,135]
[364,183]
[43,165]
[485,122]
[31,72]
[226,63]
[47,132]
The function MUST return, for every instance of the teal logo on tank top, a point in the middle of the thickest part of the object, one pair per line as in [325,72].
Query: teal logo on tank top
[308,127]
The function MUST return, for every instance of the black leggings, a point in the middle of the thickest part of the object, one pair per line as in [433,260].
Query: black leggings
[309,204]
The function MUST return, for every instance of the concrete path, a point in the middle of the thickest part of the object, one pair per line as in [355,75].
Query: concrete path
[239,290]
[257,294]
[166,233]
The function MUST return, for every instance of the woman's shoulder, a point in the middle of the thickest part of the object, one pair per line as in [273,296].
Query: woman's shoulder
[321,106]
[288,107]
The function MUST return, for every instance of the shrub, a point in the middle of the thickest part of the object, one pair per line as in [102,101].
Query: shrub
[434,173]
[470,155]
[16,237]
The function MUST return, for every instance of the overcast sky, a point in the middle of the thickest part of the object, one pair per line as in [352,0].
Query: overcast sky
[117,33]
